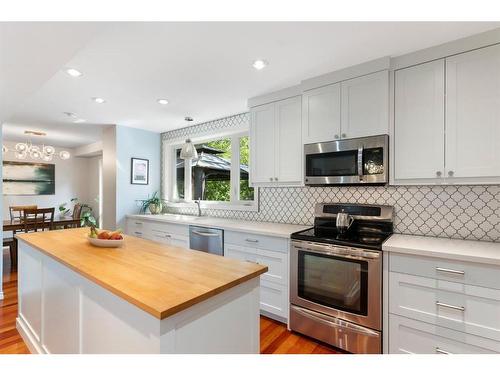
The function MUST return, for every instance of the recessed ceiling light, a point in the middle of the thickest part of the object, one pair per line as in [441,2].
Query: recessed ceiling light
[260,64]
[73,72]
[162,101]
[99,100]
[79,120]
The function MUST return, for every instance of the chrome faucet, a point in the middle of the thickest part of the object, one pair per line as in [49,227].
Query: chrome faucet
[198,202]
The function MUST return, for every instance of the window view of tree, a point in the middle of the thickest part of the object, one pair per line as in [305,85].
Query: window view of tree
[212,177]
[246,192]
[211,171]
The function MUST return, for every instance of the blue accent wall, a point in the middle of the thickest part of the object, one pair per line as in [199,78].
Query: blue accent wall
[135,143]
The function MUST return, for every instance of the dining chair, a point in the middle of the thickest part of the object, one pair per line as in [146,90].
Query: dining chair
[38,219]
[16,213]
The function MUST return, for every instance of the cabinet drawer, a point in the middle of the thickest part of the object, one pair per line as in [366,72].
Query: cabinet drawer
[465,308]
[256,241]
[413,337]
[155,227]
[136,228]
[274,298]
[240,253]
[276,262]
[442,269]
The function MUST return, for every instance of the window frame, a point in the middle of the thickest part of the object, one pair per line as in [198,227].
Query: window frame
[170,160]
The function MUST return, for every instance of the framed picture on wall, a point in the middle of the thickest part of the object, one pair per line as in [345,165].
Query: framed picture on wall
[139,171]
[26,178]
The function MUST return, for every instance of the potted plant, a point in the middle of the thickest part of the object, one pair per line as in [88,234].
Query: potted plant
[154,204]
[63,211]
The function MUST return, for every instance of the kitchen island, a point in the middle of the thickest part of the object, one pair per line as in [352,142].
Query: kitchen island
[144,297]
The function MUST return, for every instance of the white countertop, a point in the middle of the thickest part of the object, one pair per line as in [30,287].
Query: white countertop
[463,250]
[255,227]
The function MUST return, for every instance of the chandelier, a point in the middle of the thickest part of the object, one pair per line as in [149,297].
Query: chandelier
[23,150]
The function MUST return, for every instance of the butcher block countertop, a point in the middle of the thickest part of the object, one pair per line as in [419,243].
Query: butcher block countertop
[159,279]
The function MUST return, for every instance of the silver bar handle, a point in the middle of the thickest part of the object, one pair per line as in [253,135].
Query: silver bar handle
[360,163]
[441,304]
[251,240]
[441,351]
[138,233]
[448,270]
[206,234]
[163,236]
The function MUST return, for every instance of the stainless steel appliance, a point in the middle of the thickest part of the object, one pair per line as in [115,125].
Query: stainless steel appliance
[209,240]
[348,161]
[336,277]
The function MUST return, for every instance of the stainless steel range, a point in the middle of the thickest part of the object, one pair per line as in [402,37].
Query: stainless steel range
[336,276]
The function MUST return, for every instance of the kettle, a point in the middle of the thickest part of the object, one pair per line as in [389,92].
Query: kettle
[344,221]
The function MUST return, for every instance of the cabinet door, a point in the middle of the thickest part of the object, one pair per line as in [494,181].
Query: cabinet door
[289,150]
[321,114]
[473,114]
[365,105]
[419,122]
[262,141]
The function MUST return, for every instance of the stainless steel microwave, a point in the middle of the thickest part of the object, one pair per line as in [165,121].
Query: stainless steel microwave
[348,161]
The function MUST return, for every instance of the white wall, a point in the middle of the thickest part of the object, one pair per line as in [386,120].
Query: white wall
[72,180]
[108,219]
[94,166]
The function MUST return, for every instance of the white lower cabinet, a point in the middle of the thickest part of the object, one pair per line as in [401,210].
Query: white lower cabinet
[442,306]
[165,233]
[410,336]
[269,251]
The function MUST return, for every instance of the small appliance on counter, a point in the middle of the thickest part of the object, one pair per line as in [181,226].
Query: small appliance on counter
[336,276]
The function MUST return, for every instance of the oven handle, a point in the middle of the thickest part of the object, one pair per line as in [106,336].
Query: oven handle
[330,250]
[336,323]
[360,163]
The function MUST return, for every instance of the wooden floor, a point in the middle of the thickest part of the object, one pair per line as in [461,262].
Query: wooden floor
[274,337]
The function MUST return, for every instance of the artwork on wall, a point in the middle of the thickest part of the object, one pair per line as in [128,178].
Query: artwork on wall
[139,171]
[25,178]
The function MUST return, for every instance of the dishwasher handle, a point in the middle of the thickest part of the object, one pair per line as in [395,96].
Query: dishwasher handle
[205,234]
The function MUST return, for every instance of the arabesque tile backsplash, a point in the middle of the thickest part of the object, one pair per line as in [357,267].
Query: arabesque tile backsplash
[466,212]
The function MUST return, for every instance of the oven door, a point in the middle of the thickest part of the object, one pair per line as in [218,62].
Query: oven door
[338,281]
[350,161]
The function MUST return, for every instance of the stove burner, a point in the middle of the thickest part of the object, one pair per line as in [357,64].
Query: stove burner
[364,232]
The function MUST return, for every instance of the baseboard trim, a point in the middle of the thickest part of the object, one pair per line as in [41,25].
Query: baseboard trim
[28,337]
[273,316]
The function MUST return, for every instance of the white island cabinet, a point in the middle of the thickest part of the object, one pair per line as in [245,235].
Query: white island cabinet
[442,296]
[144,297]
[258,242]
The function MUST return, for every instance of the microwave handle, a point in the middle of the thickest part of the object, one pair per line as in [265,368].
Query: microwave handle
[360,163]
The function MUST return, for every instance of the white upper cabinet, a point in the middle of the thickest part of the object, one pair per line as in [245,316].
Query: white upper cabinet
[276,151]
[289,146]
[419,122]
[447,120]
[358,107]
[473,114]
[321,114]
[365,105]
[262,143]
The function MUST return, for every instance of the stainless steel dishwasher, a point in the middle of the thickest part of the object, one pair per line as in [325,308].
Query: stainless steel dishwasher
[209,240]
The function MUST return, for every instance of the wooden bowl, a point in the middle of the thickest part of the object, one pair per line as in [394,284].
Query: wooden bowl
[105,243]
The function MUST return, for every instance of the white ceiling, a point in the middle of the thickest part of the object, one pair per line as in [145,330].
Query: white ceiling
[203,69]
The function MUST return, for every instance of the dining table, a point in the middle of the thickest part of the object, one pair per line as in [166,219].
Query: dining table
[62,222]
